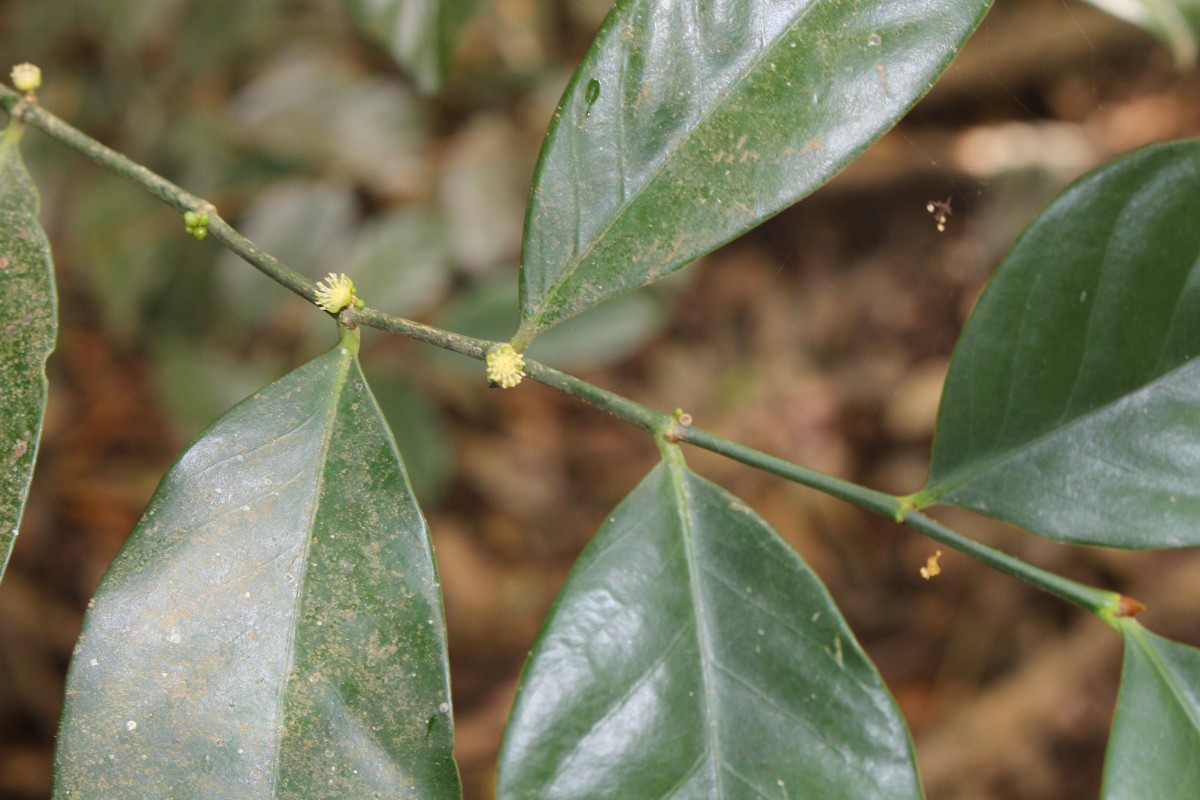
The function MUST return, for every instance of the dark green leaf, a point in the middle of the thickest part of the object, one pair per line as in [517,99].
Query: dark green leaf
[1072,405]
[1154,749]
[1175,22]
[692,654]
[420,432]
[28,324]
[273,627]
[690,122]
[419,35]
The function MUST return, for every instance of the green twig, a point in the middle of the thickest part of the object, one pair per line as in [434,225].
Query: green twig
[664,427]
[869,499]
[1095,600]
[174,196]
[1103,603]
[456,342]
[647,419]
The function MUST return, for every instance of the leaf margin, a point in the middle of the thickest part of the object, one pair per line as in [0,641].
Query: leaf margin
[35,303]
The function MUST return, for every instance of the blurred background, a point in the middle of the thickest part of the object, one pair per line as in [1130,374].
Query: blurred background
[822,337]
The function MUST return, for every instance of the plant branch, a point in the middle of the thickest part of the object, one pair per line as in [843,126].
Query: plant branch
[1095,600]
[171,194]
[649,420]
[653,422]
[869,499]
[665,426]
[456,342]
[1104,604]
[662,426]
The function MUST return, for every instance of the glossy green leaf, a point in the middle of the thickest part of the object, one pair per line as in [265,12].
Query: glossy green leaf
[1175,22]
[28,324]
[691,653]
[420,430]
[273,627]
[1154,748]
[690,122]
[1072,404]
[419,35]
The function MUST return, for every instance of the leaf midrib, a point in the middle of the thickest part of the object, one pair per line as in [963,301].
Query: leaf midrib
[932,495]
[19,208]
[338,384]
[677,472]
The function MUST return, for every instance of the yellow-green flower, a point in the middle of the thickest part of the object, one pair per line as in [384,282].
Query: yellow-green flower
[505,366]
[26,77]
[338,294]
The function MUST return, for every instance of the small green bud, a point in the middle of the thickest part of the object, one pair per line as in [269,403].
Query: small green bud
[196,223]
[358,302]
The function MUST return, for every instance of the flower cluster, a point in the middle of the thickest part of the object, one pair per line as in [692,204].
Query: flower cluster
[505,366]
[26,77]
[337,293]
[196,223]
